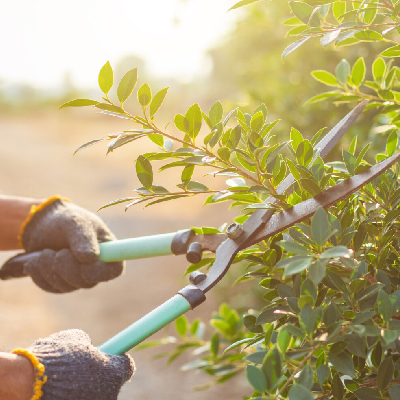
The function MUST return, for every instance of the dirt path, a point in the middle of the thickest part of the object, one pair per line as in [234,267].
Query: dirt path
[36,160]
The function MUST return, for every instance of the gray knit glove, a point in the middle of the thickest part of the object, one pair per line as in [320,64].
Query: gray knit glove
[60,272]
[77,370]
[68,238]
[64,225]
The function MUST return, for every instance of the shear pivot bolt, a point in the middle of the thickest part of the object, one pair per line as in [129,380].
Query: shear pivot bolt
[197,277]
[194,253]
[234,231]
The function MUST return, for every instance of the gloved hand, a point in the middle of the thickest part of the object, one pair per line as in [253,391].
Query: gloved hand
[68,238]
[75,369]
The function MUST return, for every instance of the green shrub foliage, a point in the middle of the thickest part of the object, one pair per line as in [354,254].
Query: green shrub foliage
[329,287]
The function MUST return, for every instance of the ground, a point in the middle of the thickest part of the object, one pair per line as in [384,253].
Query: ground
[36,160]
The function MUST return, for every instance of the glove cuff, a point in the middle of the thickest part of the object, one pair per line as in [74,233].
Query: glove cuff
[33,211]
[38,367]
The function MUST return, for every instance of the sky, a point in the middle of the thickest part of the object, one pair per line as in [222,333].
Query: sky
[42,40]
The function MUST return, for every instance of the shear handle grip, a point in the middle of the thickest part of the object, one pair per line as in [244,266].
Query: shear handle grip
[146,326]
[116,250]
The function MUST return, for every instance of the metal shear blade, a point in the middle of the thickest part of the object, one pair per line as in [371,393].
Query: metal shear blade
[227,250]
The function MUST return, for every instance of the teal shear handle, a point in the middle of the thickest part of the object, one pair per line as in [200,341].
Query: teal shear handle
[141,247]
[146,326]
[186,299]
[120,250]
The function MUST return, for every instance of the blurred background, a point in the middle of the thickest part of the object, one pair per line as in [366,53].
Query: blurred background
[52,52]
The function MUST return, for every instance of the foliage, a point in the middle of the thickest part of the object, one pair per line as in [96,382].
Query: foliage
[348,23]
[253,52]
[330,325]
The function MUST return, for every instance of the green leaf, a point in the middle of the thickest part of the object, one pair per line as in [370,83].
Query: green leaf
[391,143]
[117,201]
[304,153]
[308,289]
[228,117]
[310,319]
[157,101]
[79,103]
[306,377]
[293,247]
[337,387]
[297,265]
[325,77]
[338,9]
[127,84]
[310,185]
[322,97]
[257,121]
[379,70]
[301,10]
[256,378]
[271,314]
[343,71]
[338,251]
[250,322]
[283,340]
[366,393]
[343,362]
[144,172]
[214,344]
[110,107]
[272,368]
[320,228]
[216,112]
[224,153]
[106,78]
[330,37]
[395,11]
[368,36]
[187,173]
[144,95]
[88,144]
[157,139]
[358,72]
[391,52]
[181,325]
[294,46]
[350,161]
[353,145]
[316,272]
[237,344]
[196,186]
[299,392]
[296,138]
[181,123]
[394,392]
[323,373]
[242,3]
[385,373]
[193,115]
[385,307]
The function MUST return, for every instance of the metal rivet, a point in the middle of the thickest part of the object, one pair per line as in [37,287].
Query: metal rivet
[197,277]
[234,231]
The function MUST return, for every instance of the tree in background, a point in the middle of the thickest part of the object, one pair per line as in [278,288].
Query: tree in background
[328,324]
[256,73]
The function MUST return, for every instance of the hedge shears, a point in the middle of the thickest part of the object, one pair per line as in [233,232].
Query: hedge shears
[263,223]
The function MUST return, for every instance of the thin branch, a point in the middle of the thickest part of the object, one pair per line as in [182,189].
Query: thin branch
[301,365]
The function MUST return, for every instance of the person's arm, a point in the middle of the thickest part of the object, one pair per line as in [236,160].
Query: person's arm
[16,377]
[13,212]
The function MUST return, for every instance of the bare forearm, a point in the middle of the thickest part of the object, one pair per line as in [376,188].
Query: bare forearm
[16,377]
[13,212]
